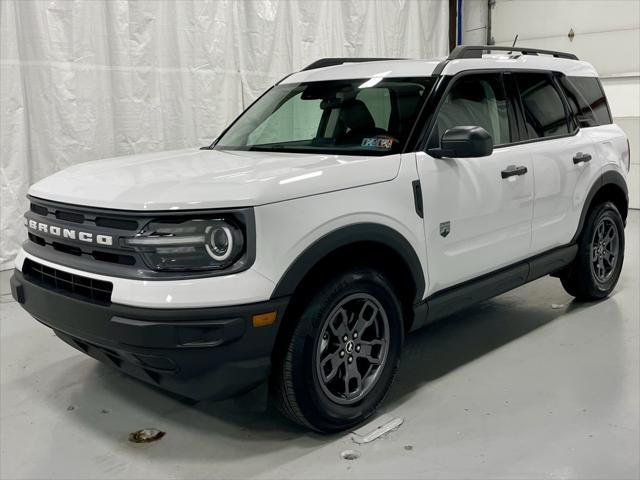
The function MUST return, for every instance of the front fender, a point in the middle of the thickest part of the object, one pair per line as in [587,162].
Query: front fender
[344,236]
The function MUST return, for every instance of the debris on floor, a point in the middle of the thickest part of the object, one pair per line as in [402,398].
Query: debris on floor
[376,429]
[557,306]
[71,408]
[350,455]
[146,435]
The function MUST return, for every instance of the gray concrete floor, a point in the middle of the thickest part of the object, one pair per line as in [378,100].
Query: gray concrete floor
[528,385]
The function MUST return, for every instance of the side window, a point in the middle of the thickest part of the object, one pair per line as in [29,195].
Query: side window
[579,106]
[544,111]
[475,100]
[593,98]
[295,119]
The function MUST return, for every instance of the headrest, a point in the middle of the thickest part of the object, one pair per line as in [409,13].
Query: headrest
[356,115]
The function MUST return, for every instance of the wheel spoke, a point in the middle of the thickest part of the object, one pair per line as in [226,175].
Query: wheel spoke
[609,258]
[611,233]
[368,349]
[601,268]
[338,324]
[352,374]
[330,366]
[594,253]
[363,322]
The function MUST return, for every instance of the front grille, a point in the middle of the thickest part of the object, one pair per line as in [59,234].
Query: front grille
[71,218]
[131,225]
[97,291]
[101,256]
[40,210]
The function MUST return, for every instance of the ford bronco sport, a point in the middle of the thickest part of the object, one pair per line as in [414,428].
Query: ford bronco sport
[355,201]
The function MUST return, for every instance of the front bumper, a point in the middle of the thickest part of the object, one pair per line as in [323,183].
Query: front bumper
[197,352]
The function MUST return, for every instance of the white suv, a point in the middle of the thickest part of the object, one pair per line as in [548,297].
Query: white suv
[353,202]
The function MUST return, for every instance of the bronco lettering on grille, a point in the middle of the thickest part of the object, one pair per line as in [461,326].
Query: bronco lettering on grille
[71,234]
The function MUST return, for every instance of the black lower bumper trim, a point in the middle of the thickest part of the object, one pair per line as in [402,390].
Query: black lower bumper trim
[198,353]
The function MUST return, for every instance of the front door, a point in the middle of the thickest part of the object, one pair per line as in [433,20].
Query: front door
[477,211]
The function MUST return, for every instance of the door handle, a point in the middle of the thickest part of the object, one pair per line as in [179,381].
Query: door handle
[512,170]
[581,157]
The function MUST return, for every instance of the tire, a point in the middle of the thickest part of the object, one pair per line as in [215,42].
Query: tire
[588,278]
[309,382]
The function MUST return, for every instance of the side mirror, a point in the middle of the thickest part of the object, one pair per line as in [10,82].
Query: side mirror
[462,142]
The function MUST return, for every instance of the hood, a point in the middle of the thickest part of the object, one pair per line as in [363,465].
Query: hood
[197,179]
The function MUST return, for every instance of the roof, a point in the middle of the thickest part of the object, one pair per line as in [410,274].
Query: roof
[425,68]
[379,68]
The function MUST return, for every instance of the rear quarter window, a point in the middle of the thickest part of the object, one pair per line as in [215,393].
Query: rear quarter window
[586,95]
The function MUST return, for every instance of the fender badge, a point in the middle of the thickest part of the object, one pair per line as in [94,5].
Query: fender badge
[445,228]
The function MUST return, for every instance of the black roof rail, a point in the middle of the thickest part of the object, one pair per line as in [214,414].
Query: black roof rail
[476,51]
[328,62]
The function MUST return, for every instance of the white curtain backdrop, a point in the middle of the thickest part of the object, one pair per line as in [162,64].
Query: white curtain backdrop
[82,80]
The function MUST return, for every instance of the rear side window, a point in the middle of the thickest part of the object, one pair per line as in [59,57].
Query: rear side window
[544,111]
[477,100]
[587,100]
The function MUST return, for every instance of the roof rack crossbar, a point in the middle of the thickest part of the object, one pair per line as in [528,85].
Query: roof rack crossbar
[476,51]
[329,62]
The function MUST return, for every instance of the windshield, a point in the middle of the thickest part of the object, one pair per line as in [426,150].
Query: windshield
[353,117]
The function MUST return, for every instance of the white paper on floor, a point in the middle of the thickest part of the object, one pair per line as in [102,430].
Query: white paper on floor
[375,429]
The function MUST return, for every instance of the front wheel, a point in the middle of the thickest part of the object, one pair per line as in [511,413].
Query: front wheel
[342,353]
[596,269]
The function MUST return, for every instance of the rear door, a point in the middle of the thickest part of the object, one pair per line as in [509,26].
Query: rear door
[476,218]
[564,159]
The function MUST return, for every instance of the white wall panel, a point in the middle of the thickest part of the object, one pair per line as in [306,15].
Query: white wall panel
[474,22]
[623,94]
[540,19]
[82,80]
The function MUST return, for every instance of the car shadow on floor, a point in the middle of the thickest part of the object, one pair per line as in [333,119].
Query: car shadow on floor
[429,354]
[448,344]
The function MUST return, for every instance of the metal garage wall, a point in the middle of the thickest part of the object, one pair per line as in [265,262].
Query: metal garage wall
[474,22]
[82,80]
[606,33]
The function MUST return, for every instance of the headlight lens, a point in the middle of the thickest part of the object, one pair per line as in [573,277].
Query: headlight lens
[189,244]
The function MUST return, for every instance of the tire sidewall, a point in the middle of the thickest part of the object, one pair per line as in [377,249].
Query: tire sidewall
[319,410]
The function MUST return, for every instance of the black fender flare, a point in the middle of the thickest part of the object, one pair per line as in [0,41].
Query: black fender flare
[342,237]
[610,177]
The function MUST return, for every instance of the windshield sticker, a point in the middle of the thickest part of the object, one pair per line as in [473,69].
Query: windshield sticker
[378,142]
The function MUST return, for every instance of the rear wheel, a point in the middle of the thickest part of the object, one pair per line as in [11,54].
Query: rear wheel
[342,353]
[596,269]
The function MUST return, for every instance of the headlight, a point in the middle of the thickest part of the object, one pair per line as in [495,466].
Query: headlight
[189,244]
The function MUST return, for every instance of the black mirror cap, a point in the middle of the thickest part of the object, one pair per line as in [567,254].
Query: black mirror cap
[464,142]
